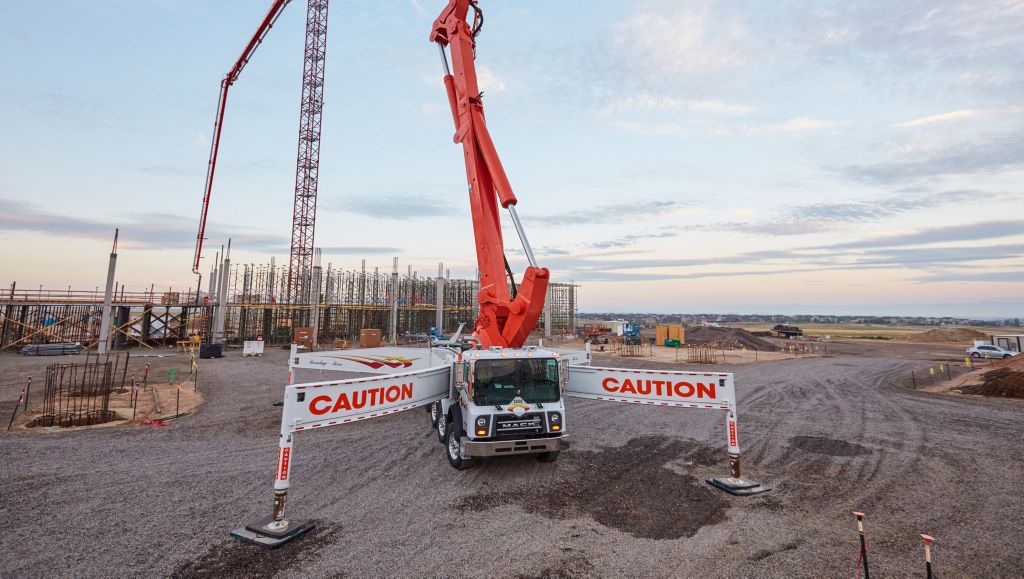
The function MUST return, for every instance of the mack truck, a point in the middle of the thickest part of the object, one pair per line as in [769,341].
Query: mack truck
[501,403]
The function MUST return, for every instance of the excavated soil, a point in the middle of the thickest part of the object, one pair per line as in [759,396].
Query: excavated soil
[627,488]
[1003,382]
[727,338]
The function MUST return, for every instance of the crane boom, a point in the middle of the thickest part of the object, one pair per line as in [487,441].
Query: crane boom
[265,25]
[506,318]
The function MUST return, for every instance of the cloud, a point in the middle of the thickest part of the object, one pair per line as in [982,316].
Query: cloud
[613,213]
[400,207]
[993,154]
[416,6]
[980,231]
[829,216]
[628,240]
[704,128]
[698,37]
[1016,275]
[940,118]
[358,250]
[138,230]
[487,80]
[651,102]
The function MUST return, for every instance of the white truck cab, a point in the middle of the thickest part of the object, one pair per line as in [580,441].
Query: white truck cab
[503,402]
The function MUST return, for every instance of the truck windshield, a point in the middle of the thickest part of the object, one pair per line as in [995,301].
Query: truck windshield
[499,381]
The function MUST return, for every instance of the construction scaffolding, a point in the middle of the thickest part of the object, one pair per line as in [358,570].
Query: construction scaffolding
[403,307]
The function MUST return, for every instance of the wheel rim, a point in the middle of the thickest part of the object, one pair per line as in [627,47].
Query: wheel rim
[433,412]
[441,426]
[453,448]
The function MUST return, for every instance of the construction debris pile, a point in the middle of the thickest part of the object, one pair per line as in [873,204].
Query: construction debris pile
[1005,381]
[727,339]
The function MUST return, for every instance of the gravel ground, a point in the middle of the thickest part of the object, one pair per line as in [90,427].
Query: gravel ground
[831,434]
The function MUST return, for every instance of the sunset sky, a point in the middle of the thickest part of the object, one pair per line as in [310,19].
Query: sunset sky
[668,156]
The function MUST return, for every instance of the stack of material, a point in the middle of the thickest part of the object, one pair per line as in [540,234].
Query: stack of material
[369,338]
[51,349]
[670,333]
[946,336]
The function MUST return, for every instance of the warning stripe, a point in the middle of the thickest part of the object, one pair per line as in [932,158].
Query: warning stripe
[660,403]
[643,371]
[333,422]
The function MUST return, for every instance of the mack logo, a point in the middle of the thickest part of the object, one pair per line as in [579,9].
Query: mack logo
[376,362]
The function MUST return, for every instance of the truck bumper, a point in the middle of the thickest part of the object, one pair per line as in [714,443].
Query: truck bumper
[479,448]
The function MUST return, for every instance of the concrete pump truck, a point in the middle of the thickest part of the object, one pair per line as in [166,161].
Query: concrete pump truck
[504,399]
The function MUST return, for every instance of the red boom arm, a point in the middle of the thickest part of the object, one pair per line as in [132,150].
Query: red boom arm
[229,79]
[505,320]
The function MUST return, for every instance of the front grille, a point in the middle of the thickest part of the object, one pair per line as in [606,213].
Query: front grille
[526,424]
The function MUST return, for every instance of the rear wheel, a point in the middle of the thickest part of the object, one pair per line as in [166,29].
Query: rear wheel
[975,355]
[454,448]
[442,426]
[1005,356]
[548,456]
[434,410]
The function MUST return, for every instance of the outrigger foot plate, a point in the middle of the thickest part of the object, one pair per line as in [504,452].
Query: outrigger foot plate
[741,487]
[259,533]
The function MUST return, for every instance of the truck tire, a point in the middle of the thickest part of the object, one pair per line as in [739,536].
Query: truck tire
[548,456]
[434,410]
[442,426]
[452,447]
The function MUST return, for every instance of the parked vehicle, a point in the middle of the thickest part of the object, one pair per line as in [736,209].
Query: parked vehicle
[989,351]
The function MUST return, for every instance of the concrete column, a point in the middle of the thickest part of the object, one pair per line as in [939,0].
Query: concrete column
[547,313]
[315,313]
[394,303]
[108,300]
[439,321]
[222,297]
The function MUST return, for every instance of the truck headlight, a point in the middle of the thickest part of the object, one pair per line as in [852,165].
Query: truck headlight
[555,420]
[481,422]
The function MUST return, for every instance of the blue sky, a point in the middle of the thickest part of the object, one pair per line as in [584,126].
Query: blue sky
[668,156]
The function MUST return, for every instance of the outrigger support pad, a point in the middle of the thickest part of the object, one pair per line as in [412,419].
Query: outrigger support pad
[737,484]
[263,533]
[273,530]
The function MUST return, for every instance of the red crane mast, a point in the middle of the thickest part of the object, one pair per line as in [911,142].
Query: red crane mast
[307,166]
[506,318]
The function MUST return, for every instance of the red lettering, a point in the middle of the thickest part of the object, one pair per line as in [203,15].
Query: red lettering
[705,390]
[392,393]
[657,386]
[610,380]
[627,386]
[732,433]
[684,389]
[318,410]
[407,390]
[644,387]
[357,400]
[342,403]
[282,473]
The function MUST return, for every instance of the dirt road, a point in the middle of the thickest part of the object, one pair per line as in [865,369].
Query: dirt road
[831,435]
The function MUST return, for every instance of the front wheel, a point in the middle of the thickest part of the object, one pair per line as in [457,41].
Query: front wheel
[975,355]
[1005,356]
[548,456]
[454,448]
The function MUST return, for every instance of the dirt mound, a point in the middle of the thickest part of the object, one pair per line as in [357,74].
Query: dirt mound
[727,338]
[605,485]
[946,336]
[1014,363]
[1004,382]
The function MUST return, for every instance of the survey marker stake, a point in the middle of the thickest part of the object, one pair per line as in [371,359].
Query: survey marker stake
[928,540]
[863,543]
